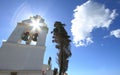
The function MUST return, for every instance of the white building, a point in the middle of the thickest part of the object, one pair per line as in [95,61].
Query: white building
[23,52]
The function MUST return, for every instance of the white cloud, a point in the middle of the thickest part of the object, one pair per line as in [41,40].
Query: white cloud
[88,16]
[115,33]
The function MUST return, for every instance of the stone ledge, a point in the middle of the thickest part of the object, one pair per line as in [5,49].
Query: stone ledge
[22,45]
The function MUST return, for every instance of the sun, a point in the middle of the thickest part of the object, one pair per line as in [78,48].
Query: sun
[35,23]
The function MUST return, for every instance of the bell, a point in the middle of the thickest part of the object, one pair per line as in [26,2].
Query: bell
[25,36]
[35,37]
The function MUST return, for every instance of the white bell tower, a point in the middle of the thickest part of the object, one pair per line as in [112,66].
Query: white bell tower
[23,52]
[32,26]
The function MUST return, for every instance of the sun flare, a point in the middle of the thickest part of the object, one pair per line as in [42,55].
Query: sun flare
[35,24]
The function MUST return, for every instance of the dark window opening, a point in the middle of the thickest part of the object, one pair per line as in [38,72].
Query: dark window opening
[13,73]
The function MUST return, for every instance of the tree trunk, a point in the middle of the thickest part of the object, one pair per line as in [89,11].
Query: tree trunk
[61,59]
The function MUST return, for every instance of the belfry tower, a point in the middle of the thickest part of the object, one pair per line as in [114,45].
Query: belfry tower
[23,52]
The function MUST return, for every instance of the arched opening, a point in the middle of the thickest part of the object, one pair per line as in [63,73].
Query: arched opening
[29,38]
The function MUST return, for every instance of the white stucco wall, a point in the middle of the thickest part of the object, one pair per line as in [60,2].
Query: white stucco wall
[21,72]
[16,34]
[21,57]
[48,72]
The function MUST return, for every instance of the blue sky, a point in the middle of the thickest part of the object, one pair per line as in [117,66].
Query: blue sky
[99,55]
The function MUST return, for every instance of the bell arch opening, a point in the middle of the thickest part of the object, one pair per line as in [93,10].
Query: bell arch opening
[29,38]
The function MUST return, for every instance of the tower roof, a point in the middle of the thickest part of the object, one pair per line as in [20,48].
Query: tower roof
[34,20]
